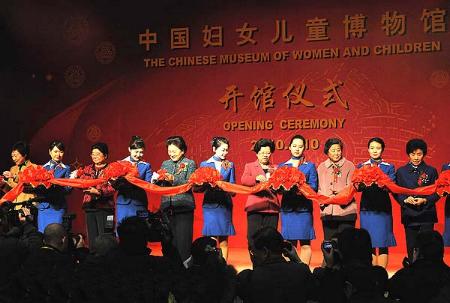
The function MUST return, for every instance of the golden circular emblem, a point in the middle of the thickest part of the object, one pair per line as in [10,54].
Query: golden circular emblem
[105,52]
[74,76]
[93,133]
[439,78]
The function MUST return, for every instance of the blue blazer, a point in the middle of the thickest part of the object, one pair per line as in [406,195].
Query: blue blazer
[131,194]
[55,196]
[374,198]
[214,197]
[298,203]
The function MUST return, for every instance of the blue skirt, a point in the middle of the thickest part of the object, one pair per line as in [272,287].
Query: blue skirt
[446,234]
[48,216]
[297,226]
[379,226]
[217,221]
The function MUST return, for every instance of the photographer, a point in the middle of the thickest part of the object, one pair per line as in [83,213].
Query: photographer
[273,279]
[209,278]
[16,242]
[426,276]
[348,273]
[47,273]
[129,273]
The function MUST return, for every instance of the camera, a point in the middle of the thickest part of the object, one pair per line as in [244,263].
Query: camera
[287,245]
[67,224]
[157,224]
[327,245]
[10,217]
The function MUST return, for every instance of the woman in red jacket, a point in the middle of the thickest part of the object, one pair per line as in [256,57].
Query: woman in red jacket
[263,207]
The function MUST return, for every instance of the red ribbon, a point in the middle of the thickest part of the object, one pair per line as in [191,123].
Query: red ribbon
[285,177]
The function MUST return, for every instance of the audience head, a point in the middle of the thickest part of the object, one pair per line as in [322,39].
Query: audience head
[103,244]
[55,236]
[133,233]
[202,248]
[355,246]
[267,243]
[429,245]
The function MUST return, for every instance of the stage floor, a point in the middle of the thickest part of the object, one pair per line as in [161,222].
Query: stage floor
[240,259]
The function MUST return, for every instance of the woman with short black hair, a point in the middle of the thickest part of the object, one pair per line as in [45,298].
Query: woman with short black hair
[263,207]
[98,201]
[418,212]
[130,198]
[335,174]
[218,204]
[375,206]
[53,208]
[296,210]
[179,208]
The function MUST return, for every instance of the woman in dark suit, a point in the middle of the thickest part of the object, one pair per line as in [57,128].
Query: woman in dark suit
[179,208]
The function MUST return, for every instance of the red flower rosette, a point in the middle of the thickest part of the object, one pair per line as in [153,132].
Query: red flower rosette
[286,178]
[368,175]
[36,175]
[120,169]
[443,183]
[204,175]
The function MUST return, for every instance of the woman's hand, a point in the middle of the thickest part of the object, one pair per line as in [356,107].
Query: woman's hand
[92,191]
[410,200]
[169,177]
[261,178]
[7,174]
[419,201]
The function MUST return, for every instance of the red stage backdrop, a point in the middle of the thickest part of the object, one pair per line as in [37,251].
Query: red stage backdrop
[321,70]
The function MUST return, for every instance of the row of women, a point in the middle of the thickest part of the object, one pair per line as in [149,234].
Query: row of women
[418,213]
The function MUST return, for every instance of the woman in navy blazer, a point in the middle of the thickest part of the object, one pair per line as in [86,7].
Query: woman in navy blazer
[263,207]
[218,204]
[130,198]
[296,210]
[418,212]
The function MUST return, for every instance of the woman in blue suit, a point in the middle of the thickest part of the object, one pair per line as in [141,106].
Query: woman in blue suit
[375,207]
[131,199]
[217,204]
[55,206]
[296,210]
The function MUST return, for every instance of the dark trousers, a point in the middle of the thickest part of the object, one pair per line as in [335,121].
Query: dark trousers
[411,235]
[331,227]
[96,222]
[256,221]
[182,225]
